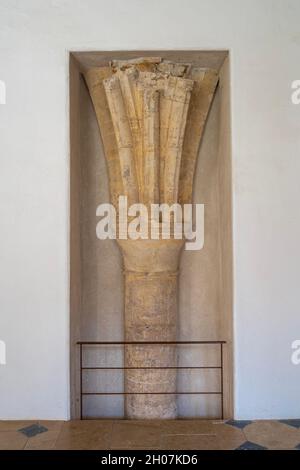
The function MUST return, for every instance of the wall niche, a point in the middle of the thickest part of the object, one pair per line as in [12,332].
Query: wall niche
[97,281]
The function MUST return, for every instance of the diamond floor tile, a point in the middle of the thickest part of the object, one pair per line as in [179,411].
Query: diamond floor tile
[250,446]
[238,423]
[33,430]
[291,422]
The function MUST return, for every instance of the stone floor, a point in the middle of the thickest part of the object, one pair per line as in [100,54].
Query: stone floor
[176,435]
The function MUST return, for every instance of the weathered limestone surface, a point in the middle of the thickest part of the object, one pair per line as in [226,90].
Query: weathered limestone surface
[151,115]
[151,268]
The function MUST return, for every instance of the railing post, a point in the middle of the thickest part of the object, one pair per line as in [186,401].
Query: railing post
[222,386]
[80,381]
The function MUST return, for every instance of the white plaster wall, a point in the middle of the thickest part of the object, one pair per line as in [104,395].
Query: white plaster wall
[264,42]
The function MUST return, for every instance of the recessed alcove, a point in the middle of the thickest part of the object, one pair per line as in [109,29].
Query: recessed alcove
[205,281]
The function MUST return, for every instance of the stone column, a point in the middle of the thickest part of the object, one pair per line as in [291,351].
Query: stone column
[151,272]
[151,115]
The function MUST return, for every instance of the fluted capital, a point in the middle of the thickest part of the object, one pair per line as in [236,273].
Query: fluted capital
[151,113]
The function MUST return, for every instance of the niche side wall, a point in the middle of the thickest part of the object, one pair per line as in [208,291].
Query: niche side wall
[205,285]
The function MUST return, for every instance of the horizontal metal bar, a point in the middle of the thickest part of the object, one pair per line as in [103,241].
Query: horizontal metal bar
[175,343]
[151,393]
[105,343]
[151,368]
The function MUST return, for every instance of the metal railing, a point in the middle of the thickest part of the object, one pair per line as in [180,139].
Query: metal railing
[220,367]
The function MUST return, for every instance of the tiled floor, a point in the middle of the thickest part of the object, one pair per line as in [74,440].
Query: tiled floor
[176,435]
